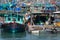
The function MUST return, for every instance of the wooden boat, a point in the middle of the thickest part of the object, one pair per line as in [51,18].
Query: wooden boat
[37,21]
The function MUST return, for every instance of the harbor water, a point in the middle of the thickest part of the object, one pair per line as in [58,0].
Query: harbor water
[29,36]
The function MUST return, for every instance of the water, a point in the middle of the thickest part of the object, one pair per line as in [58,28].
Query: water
[28,36]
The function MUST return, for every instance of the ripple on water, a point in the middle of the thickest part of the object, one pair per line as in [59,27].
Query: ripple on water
[28,36]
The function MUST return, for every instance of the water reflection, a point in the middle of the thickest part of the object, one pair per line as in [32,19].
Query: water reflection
[27,36]
[12,35]
[46,36]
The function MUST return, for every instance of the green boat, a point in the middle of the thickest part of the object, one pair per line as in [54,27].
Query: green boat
[13,22]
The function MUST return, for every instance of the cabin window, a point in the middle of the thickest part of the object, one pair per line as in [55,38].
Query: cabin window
[40,19]
[14,19]
[9,19]
[18,19]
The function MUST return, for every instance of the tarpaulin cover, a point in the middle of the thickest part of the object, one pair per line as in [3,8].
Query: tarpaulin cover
[18,9]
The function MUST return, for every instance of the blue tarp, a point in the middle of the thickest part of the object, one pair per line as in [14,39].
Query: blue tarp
[14,1]
[4,5]
[48,5]
[1,8]
[9,8]
[23,5]
[10,4]
[58,3]
[18,9]
[50,8]
[38,4]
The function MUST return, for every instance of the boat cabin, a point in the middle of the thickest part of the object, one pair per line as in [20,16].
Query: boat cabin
[39,18]
[13,17]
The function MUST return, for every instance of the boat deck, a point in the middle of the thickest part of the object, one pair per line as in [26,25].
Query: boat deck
[40,27]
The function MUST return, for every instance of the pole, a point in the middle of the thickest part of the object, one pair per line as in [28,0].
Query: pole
[17,16]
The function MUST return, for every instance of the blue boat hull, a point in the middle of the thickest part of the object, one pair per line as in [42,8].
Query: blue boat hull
[13,27]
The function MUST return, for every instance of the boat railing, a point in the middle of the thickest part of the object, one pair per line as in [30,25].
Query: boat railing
[5,11]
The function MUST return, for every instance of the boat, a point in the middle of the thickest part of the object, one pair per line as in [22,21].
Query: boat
[37,21]
[13,23]
[13,18]
[13,26]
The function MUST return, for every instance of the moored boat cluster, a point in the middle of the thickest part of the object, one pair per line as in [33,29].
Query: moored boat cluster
[37,16]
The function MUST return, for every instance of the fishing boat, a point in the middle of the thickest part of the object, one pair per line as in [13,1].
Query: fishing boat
[37,21]
[13,22]
[13,25]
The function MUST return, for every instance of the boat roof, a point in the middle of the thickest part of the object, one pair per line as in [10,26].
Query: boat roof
[39,13]
[9,12]
[57,12]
